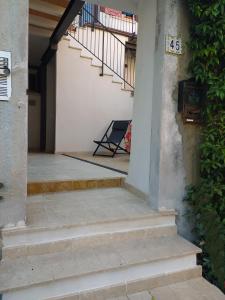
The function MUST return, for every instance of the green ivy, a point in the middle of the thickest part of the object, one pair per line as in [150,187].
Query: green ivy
[207,198]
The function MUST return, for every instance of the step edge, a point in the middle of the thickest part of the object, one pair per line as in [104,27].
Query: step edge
[134,286]
[92,273]
[197,270]
[75,180]
[97,235]
[28,229]
[74,47]
[56,186]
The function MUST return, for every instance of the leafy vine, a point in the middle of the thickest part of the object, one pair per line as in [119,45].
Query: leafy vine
[207,198]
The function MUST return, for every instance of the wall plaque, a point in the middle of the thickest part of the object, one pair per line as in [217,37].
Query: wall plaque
[173,45]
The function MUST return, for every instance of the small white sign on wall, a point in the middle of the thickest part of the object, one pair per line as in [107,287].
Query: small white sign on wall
[173,44]
[5,75]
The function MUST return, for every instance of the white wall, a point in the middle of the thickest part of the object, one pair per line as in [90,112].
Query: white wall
[85,102]
[139,168]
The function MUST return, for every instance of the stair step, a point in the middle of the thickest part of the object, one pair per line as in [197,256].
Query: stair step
[40,187]
[117,79]
[96,63]
[50,241]
[76,47]
[63,219]
[88,207]
[83,244]
[64,289]
[100,263]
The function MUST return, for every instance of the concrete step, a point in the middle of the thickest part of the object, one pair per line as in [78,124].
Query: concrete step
[101,263]
[59,221]
[85,207]
[135,288]
[40,187]
[54,240]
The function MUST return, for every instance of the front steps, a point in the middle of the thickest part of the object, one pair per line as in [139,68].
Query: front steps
[93,244]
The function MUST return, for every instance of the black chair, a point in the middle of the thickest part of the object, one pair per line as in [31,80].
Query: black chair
[113,137]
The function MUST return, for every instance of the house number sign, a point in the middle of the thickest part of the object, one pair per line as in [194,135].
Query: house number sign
[173,45]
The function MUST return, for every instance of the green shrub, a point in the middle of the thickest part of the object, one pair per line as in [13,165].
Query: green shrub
[207,198]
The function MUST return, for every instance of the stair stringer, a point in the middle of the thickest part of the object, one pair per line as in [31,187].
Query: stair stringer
[95,62]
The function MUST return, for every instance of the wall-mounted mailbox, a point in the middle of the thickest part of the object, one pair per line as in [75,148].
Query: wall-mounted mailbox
[5,75]
[190,101]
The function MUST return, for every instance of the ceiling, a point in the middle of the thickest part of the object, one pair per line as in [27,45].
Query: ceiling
[44,16]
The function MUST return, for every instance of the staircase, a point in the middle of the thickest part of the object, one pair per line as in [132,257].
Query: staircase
[103,243]
[93,244]
[108,51]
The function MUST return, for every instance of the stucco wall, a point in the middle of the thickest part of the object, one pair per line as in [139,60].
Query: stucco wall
[164,150]
[176,144]
[85,102]
[13,114]
[167,172]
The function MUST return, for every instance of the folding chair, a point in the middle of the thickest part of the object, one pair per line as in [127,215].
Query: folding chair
[113,137]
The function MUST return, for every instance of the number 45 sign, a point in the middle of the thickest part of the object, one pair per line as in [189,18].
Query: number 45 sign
[173,44]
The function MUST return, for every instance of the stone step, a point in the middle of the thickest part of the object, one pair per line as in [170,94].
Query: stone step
[86,207]
[57,221]
[95,265]
[135,288]
[50,241]
[52,186]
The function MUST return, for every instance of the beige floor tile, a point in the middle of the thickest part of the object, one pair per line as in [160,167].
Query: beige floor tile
[119,162]
[50,167]
[140,296]
[195,289]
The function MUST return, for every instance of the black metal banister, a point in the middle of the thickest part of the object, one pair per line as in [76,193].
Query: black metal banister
[103,44]
[102,25]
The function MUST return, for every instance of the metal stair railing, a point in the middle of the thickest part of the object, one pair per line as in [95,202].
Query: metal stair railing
[104,45]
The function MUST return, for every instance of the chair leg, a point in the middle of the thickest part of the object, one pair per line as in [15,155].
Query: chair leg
[96,150]
[115,150]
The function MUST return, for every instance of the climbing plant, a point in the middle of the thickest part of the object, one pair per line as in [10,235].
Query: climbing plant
[207,198]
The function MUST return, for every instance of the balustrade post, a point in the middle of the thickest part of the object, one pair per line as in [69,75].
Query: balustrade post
[103,51]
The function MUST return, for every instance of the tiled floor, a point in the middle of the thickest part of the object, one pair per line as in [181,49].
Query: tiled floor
[50,167]
[195,289]
[119,162]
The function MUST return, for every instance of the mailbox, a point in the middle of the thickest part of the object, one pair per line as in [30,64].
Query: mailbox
[191,98]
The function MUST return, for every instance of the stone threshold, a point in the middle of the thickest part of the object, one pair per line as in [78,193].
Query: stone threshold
[42,187]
